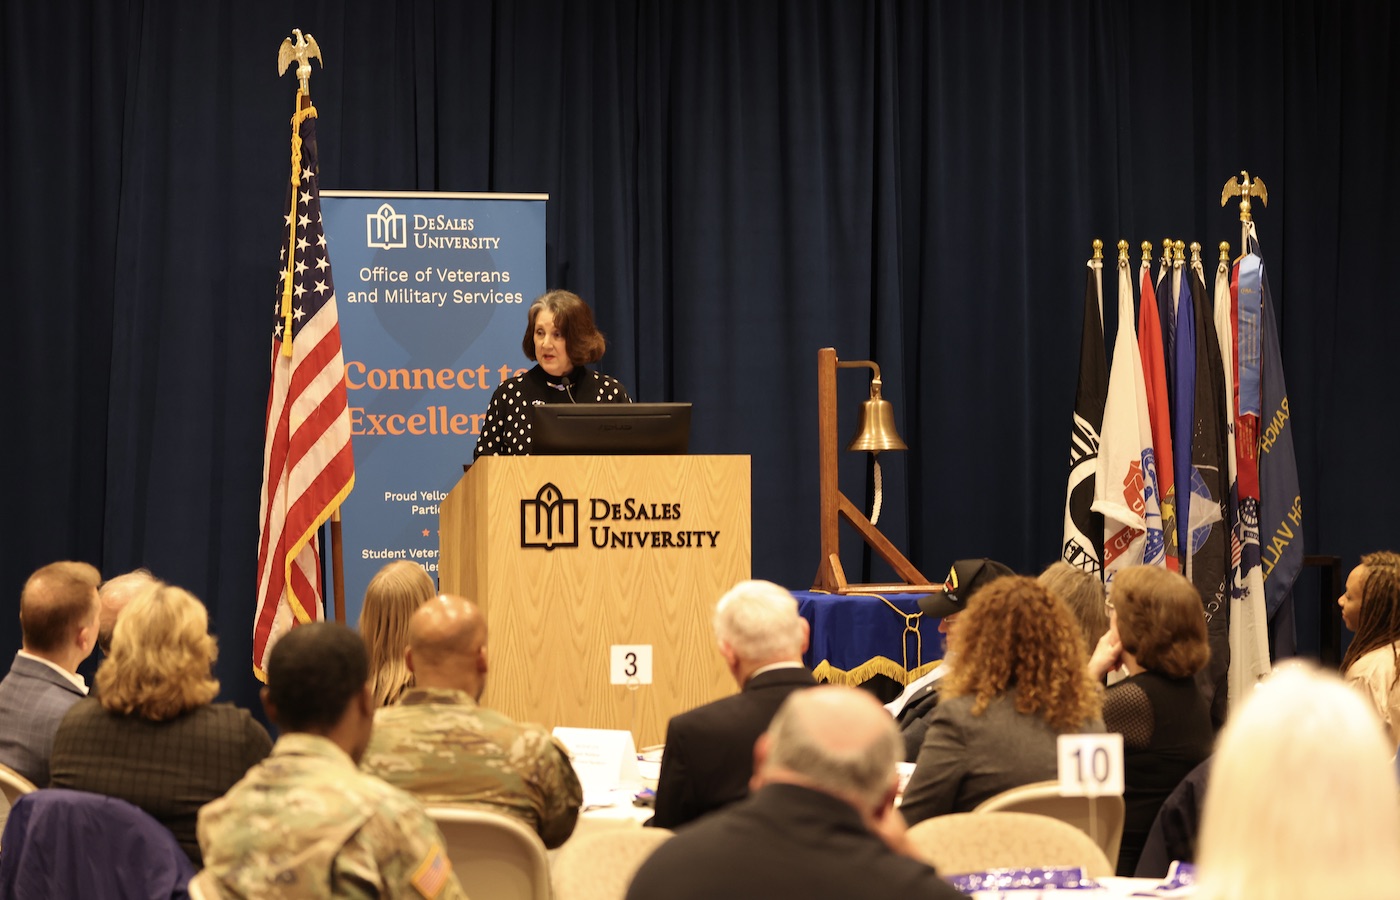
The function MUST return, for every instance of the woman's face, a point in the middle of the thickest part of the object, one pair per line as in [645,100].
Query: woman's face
[550,350]
[1350,602]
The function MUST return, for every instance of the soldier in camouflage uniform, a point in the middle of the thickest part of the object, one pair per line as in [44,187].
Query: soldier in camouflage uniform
[306,822]
[438,744]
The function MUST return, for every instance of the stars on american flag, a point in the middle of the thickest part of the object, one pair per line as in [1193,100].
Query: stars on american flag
[304,238]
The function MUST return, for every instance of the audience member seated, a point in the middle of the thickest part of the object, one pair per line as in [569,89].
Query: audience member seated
[709,750]
[58,624]
[913,707]
[438,744]
[1157,631]
[1083,593]
[819,824]
[393,594]
[1301,802]
[1371,608]
[306,822]
[113,596]
[1172,837]
[1020,682]
[152,736]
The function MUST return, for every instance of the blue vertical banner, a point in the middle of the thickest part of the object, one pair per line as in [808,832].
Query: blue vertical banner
[433,292]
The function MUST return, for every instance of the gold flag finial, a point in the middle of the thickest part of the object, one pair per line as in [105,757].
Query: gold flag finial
[1122,251]
[1195,253]
[1224,251]
[1166,249]
[1244,187]
[1147,251]
[1179,251]
[302,52]
[1098,249]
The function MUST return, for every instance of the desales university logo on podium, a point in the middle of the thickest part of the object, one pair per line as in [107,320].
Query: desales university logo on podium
[550,520]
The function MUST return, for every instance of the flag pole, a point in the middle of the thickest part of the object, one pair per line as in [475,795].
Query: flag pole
[302,51]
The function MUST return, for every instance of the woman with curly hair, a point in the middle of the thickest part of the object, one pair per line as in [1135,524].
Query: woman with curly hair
[394,594]
[1020,683]
[1157,631]
[1371,608]
[153,736]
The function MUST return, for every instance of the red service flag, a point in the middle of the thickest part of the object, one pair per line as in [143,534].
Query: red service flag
[308,468]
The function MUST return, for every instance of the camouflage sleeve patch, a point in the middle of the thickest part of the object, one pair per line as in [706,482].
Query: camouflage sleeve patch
[432,873]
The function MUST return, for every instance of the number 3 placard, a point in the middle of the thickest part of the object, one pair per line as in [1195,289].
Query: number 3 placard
[631,664]
[1091,764]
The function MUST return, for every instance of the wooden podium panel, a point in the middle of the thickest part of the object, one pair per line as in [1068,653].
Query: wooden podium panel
[570,555]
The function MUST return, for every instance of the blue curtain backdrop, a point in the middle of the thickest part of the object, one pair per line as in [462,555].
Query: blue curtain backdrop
[733,185]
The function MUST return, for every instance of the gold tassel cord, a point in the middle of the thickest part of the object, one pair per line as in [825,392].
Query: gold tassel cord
[298,117]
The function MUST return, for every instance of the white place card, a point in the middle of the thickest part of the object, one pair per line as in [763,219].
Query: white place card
[604,760]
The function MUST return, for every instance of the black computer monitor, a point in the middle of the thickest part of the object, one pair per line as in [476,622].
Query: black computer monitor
[606,429]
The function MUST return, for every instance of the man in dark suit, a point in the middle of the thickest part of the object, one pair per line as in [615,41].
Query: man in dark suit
[58,617]
[709,750]
[820,824]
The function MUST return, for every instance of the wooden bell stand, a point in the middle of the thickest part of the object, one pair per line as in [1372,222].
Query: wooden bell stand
[835,505]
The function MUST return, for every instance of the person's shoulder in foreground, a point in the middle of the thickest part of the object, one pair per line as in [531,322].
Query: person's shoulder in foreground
[306,822]
[820,824]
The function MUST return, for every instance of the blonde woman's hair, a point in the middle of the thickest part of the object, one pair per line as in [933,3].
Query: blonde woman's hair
[1016,634]
[394,593]
[161,656]
[1084,595]
[1301,800]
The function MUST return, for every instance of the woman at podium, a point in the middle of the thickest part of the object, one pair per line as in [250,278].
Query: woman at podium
[561,339]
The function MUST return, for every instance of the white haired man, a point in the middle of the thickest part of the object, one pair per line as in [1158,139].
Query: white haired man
[709,750]
[819,825]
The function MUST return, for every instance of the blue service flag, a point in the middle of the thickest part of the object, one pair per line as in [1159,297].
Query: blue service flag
[1183,406]
[1280,503]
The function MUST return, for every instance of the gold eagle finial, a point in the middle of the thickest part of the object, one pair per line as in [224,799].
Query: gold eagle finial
[1250,188]
[301,52]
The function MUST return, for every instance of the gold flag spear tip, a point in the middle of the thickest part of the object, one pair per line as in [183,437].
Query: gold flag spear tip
[302,52]
[1098,249]
[1244,187]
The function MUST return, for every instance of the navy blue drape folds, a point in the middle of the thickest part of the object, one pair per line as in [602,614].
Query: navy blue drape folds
[733,184]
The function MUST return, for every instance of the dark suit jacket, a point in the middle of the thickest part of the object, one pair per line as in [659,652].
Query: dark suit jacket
[913,719]
[784,841]
[169,769]
[33,700]
[709,750]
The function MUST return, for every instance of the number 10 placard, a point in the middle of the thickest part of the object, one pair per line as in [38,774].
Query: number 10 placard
[1091,764]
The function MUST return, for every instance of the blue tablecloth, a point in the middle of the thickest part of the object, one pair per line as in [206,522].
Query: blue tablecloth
[857,636]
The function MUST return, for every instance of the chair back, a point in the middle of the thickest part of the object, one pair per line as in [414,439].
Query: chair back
[975,842]
[495,856]
[61,843]
[1101,818]
[599,865]
[13,784]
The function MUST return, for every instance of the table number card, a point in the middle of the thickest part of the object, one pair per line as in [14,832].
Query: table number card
[1091,765]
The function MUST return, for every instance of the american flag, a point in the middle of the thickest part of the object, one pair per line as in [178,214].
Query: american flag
[308,469]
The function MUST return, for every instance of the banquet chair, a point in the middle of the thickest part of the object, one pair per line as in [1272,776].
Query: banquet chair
[61,843]
[599,865]
[1104,824]
[13,784]
[495,856]
[975,842]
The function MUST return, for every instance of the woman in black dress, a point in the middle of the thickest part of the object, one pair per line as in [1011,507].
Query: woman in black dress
[561,339]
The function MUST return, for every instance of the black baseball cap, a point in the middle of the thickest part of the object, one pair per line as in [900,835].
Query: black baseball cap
[964,580]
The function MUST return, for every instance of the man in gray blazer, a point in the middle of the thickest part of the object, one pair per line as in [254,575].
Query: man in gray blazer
[58,617]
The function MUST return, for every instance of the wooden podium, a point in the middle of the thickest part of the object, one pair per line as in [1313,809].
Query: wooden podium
[570,555]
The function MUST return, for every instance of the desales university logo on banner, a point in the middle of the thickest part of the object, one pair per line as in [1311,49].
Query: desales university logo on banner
[550,520]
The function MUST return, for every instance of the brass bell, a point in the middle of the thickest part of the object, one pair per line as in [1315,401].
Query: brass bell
[877,431]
